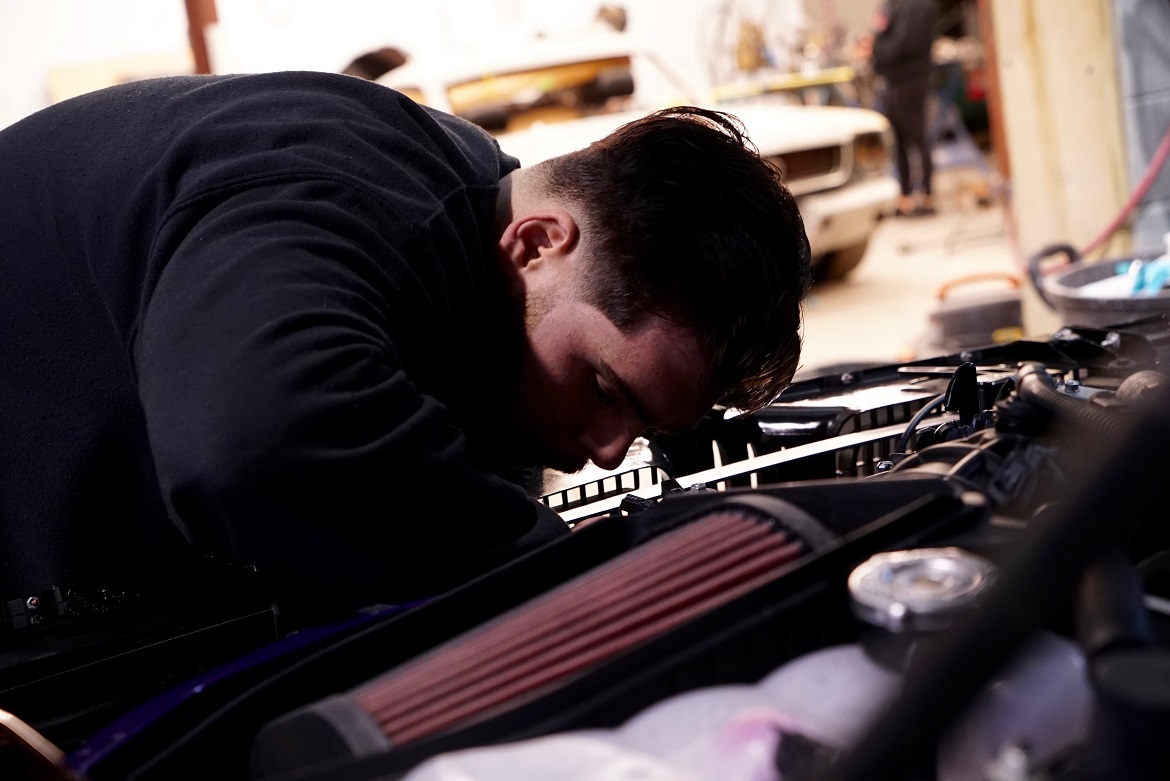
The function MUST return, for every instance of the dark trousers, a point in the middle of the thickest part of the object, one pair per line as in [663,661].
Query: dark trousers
[905,106]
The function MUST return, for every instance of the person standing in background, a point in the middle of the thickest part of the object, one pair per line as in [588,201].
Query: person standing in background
[903,37]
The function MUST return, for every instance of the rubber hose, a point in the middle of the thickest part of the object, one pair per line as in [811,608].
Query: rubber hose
[1110,611]
[921,415]
[1119,488]
[1034,385]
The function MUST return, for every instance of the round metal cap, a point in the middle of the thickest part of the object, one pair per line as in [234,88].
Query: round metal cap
[918,590]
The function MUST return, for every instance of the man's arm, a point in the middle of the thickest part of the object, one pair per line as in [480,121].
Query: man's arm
[283,425]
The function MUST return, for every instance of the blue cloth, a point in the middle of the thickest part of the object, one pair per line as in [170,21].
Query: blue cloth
[1149,277]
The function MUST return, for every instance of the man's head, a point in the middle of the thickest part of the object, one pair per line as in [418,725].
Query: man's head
[663,269]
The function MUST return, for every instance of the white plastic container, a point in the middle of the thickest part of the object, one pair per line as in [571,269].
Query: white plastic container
[832,695]
[593,756]
[722,733]
[1042,702]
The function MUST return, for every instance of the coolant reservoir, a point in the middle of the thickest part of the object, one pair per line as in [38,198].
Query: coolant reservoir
[670,725]
[904,598]
[593,756]
[832,695]
[1041,703]
[723,733]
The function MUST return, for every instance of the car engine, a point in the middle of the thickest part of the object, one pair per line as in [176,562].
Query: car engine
[956,568]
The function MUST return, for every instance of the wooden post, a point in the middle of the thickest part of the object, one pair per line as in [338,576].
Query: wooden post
[200,13]
[994,98]
[1062,124]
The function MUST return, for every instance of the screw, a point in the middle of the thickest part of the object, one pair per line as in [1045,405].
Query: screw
[847,378]
[33,603]
[1011,764]
[884,466]
[1072,386]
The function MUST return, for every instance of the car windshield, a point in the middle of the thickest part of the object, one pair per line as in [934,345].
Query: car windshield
[552,93]
[508,97]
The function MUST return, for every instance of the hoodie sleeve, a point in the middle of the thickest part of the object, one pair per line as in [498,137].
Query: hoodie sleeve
[284,426]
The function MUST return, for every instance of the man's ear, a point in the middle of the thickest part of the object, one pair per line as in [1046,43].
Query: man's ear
[537,238]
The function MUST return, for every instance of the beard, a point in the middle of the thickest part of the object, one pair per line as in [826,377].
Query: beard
[566,464]
[527,445]
[536,306]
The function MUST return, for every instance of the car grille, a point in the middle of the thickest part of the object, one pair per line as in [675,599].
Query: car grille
[811,169]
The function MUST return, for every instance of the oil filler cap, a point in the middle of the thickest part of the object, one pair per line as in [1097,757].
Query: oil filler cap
[920,590]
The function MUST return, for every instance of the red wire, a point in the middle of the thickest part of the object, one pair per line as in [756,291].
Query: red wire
[1143,187]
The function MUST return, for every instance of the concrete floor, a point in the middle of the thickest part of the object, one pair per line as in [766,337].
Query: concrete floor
[880,312]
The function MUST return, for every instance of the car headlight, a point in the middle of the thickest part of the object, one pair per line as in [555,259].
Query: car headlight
[871,153]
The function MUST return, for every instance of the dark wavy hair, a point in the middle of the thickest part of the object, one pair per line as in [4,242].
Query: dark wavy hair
[690,223]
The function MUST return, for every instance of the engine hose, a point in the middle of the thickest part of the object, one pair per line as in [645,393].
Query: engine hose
[1034,385]
[1110,612]
[912,426]
[1119,484]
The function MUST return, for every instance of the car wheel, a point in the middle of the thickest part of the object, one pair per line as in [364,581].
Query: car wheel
[837,264]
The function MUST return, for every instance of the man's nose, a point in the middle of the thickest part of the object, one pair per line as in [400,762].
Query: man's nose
[611,455]
[610,444]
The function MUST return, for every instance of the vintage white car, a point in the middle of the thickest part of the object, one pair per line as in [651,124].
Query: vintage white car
[549,97]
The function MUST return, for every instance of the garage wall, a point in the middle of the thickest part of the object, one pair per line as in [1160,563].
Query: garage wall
[266,35]
[52,48]
[1058,77]
[42,39]
[260,35]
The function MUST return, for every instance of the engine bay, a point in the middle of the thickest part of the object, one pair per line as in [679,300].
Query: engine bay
[955,568]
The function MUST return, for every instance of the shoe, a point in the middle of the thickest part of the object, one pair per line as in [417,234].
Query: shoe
[906,206]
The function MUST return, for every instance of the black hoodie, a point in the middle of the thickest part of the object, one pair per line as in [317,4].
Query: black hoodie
[259,313]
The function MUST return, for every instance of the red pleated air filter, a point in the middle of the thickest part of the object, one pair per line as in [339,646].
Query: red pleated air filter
[589,620]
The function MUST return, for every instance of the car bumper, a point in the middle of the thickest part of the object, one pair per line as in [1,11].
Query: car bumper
[846,216]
